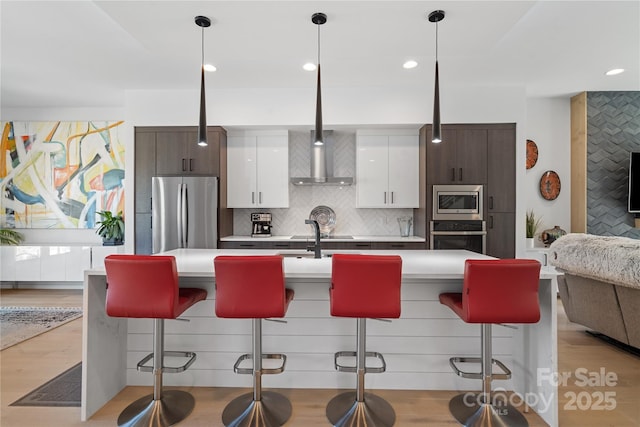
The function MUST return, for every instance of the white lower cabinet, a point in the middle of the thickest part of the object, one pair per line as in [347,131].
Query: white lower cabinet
[49,263]
[258,169]
[387,169]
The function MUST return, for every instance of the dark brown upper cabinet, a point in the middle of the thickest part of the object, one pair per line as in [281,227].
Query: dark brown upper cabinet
[461,157]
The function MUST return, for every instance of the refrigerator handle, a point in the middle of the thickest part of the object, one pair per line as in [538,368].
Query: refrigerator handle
[185,216]
[179,216]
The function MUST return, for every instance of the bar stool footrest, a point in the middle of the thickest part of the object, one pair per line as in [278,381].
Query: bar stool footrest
[238,370]
[168,369]
[478,375]
[353,369]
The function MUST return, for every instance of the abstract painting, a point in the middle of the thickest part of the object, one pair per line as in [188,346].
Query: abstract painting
[59,174]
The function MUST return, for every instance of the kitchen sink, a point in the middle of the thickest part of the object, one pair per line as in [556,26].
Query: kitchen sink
[299,254]
[309,237]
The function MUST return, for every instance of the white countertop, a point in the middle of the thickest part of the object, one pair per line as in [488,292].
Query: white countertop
[288,238]
[416,264]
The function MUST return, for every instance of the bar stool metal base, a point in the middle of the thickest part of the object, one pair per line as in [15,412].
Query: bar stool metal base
[173,407]
[374,411]
[470,413]
[272,410]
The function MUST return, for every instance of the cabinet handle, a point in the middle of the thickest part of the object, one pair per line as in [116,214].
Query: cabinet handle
[190,165]
[260,197]
[247,245]
[453,174]
[490,202]
[385,197]
[362,245]
[184,165]
[491,221]
[460,174]
[392,197]
[253,197]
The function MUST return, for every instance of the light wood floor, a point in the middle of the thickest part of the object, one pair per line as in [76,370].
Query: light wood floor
[33,362]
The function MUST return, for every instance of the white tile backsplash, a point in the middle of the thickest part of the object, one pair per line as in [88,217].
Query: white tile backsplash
[302,199]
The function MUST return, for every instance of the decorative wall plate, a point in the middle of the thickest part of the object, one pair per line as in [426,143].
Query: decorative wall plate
[550,185]
[326,218]
[532,153]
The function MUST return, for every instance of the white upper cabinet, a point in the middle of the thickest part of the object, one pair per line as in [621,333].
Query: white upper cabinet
[258,169]
[387,167]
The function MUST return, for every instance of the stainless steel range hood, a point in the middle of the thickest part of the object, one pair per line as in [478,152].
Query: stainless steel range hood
[322,164]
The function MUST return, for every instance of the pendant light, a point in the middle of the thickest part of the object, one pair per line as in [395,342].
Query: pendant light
[202,22]
[319,19]
[436,16]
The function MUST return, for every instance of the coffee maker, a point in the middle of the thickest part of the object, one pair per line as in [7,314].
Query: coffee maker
[260,225]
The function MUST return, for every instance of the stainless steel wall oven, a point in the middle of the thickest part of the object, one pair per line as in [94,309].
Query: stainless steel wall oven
[469,235]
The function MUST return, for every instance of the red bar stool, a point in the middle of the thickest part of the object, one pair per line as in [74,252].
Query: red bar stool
[252,287]
[494,291]
[144,286]
[363,286]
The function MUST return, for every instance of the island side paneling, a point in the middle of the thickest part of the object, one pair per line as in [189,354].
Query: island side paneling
[416,347]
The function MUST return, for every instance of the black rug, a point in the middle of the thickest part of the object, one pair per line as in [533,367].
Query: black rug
[63,390]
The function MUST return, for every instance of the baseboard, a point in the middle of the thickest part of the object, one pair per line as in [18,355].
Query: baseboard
[40,285]
[622,346]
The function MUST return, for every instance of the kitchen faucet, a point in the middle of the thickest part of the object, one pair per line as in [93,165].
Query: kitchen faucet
[316,247]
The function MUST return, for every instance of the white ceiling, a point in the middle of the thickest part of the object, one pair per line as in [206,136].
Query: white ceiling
[89,53]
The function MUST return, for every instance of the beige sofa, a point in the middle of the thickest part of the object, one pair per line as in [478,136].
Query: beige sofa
[600,288]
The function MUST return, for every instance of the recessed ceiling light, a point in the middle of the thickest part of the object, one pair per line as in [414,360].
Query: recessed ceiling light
[410,64]
[614,71]
[309,66]
[209,67]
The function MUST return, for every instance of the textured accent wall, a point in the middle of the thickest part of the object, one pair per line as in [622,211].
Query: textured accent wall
[613,131]
[302,199]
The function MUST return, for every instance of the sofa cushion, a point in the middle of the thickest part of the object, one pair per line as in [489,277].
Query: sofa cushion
[610,259]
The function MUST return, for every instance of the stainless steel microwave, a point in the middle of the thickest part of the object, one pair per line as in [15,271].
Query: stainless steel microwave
[457,202]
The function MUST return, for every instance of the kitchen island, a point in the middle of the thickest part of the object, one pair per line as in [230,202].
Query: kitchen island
[416,347]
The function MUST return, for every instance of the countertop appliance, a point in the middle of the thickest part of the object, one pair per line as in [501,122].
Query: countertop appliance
[260,224]
[457,202]
[184,212]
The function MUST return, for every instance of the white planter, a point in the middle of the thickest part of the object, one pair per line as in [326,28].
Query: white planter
[530,242]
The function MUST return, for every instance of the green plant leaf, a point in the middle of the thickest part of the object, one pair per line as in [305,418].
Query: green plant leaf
[10,237]
[111,226]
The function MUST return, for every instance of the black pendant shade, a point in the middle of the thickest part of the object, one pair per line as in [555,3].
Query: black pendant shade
[202,22]
[437,125]
[202,125]
[319,19]
[436,16]
[319,137]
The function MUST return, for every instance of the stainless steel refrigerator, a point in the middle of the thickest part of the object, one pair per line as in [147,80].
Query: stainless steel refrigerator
[184,212]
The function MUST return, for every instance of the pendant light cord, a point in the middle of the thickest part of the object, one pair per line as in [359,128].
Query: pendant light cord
[202,47]
[318,44]
[436,41]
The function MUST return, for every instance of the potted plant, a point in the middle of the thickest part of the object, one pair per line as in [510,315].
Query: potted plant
[532,227]
[111,228]
[10,237]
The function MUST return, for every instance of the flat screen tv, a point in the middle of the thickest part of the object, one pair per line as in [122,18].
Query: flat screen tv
[634,182]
